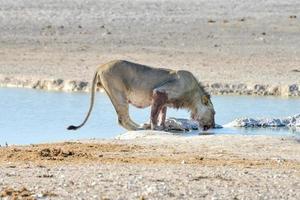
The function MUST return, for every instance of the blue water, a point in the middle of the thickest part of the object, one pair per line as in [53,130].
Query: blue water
[32,116]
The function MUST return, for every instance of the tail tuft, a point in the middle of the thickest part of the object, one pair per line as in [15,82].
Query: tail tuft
[72,127]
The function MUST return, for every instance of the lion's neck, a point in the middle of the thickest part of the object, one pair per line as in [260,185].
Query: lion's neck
[188,101]
[194,106]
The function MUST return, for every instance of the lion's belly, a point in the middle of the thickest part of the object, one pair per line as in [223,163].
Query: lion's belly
[139,100]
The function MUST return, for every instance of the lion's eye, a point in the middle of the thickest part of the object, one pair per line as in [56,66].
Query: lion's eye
[205,100]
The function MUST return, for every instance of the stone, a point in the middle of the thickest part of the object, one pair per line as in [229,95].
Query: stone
[292,121]
[181,124]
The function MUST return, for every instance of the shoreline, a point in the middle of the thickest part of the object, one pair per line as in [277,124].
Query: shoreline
[291,90]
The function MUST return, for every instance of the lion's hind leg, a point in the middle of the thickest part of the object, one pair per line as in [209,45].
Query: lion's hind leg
[122,109]
[123,116]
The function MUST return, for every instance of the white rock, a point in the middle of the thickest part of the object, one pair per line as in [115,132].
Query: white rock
[181,124]
[292,121]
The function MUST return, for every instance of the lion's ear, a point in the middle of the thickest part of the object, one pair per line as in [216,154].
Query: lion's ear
[205,100]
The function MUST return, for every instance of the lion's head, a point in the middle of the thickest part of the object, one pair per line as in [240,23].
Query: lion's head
[204,113]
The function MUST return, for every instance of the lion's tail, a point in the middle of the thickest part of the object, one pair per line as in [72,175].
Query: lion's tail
[93,90]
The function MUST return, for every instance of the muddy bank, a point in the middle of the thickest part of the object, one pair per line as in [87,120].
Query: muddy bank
[292,90]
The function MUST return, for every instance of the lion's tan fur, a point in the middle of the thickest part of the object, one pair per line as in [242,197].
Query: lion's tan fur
[131,83]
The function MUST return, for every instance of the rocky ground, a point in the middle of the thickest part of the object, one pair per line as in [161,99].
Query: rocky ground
[154,167]
[240,47]
[233,47]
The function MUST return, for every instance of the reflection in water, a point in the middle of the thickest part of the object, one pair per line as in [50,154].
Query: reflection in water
[31,116]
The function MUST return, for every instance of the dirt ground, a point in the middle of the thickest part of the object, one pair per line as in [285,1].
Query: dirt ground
[234,42]
[219,41]
[219,167]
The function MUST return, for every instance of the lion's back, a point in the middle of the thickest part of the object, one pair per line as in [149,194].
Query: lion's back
[138,75]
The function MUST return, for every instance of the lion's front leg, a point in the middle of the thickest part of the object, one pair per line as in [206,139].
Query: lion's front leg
[162,117]
[158,102]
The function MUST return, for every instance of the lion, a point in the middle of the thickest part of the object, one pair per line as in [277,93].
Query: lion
[142,86]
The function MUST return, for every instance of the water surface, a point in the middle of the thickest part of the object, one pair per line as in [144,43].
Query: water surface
[32,116]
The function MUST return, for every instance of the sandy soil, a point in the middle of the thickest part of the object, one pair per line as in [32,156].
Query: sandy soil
[169,167]
[220,41]
[228,42]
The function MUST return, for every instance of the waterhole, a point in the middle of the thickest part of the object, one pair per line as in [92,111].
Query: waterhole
[32,116]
